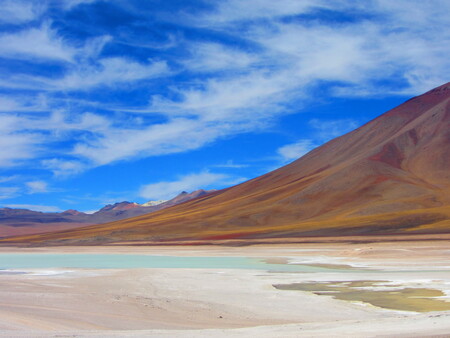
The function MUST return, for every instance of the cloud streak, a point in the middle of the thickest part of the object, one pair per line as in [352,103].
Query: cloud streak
[36,43]
[294,151]
[153,102]
[191,182]
[34,207]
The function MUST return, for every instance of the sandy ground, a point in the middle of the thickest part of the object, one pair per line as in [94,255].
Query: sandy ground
[224,303]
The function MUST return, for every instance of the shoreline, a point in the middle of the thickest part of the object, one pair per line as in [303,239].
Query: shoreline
[182,302]
[9,242]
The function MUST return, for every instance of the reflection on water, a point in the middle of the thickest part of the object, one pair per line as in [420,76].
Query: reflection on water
[379,293]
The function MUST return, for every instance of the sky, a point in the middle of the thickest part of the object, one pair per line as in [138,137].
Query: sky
[138,100]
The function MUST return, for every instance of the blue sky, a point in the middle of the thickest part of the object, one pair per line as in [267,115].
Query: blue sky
[105,101]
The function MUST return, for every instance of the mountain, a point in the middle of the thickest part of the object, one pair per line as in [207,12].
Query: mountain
[14,222]
[390,176]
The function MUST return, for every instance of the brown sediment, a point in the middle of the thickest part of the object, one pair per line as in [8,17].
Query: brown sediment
[276,260]
[336,266]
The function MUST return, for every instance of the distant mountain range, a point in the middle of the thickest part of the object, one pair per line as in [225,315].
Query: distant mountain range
[15,222]
[390,176]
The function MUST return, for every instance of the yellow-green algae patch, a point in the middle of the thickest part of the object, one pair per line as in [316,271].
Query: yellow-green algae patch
[390,296]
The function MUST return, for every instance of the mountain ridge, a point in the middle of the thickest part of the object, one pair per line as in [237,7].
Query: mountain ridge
[14,221]
[389,176]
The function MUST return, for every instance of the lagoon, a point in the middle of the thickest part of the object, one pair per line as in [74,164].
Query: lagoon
[127,261]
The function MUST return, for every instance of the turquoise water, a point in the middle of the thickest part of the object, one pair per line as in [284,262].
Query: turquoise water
[124,261]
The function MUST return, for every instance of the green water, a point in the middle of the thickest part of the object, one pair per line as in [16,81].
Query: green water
[124,261]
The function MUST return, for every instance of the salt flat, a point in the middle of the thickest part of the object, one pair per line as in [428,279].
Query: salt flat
[223,302]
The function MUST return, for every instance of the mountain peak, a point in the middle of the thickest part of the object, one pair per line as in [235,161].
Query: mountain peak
[125,205]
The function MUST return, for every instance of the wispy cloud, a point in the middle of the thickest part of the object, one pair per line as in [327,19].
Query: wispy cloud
[4,179]
[329,129]
[293,151]
[212,57]
[36,43]
[256,96]
[191,182]
[252,62]
[34,207]
[37,187]
[64,167]
[8,192]
[235,10]
[19,12]
[17,146]
[230,164]
[69,4]
[324,130]
[109,71]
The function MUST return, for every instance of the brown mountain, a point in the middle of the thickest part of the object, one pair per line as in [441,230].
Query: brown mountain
[390,176]
[14,222]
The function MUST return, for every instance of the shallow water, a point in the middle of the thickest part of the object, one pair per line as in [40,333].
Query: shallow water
[124,261]
[382,294]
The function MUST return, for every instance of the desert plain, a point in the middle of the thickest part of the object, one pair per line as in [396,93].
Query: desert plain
[399,288]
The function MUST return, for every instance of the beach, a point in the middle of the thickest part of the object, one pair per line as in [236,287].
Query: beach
[224,302]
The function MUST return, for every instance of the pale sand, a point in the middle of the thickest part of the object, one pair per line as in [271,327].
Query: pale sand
[223,303]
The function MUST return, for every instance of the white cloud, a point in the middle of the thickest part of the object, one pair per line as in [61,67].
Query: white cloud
[230,164]
[42,208]
[329,129]
[36,43]
[296,150]
[24,138]
[18,12]
[110,71]
[325,130]
[69,4]
[255,96]
[22,103]
[191,182]
[85,74]
[8,104]
[408,41]
[210,57]
[36,187]
[121,143]
[4,179]
[62,167]
[235,10]
[317,52]
[17,147]
[232,90]
[8,192]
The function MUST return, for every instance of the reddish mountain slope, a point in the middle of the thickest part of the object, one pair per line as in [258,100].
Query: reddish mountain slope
[390,176]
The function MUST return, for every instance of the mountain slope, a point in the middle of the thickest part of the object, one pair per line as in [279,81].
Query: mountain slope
[15,222]
[389,176]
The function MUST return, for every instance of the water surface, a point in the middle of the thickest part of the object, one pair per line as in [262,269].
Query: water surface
[125,261]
